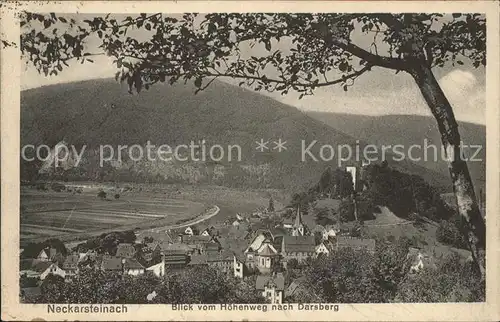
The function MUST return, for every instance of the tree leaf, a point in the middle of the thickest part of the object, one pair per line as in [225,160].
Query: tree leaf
[197,82]
[268,45]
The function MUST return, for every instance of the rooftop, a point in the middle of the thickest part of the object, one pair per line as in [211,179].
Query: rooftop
[268,280]
[266,250]
[125,250]
[41,267]
[132,263]
[71,261]
[301,244]
[195,239]
[111,263]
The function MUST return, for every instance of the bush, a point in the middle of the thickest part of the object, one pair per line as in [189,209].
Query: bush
[324,217]
[449,233]
[292,263]
[102,195]
[346,210]
[117,196]
[41,186]
[366,207]
[57,187]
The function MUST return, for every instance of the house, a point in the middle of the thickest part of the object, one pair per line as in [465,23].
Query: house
[222,261]
[195,239]
[322,249]
[296,287]
[157,269]
[89,259]
[70,265]
[189,231]
[236,248]
[367,244]
[298,247]
[125,250]
[239,232]
[330,231]
[208,231]
[261,253]
[44,268]
[299,289]
[272,287]
[150,251]
[168,248]
[198,243]
[239,265]
[112,264]
[259,237]
[198,260]
[254,220]
[288,223]
[267,257]
[211,247]
[47,254]
[175,260]
[89,255]
[132,267]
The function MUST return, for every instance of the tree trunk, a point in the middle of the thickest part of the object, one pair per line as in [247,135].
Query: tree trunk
[462,183]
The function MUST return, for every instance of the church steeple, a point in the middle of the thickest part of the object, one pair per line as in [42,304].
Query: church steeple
[298,227]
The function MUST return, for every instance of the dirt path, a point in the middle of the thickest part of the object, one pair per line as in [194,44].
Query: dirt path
[187,223]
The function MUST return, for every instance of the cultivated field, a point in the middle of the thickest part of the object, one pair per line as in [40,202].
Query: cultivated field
[50,214]
[71,216]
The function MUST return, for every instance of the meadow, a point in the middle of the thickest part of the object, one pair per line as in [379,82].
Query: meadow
[71,216]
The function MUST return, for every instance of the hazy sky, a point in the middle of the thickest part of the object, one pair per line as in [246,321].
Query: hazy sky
[378,92]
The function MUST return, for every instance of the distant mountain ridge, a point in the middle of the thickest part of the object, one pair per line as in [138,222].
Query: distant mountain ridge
[101,112]
[408,130]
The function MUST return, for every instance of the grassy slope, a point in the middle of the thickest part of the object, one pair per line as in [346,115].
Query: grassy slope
[388,224]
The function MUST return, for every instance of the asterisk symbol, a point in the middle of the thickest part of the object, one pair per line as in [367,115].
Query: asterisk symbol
[280,145]
[261,146]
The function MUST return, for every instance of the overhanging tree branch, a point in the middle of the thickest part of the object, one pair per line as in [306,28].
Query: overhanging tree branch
[372,59]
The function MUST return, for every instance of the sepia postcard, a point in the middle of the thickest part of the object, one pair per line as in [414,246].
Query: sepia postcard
[250,160]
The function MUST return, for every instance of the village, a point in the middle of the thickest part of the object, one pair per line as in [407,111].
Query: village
[265,244]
